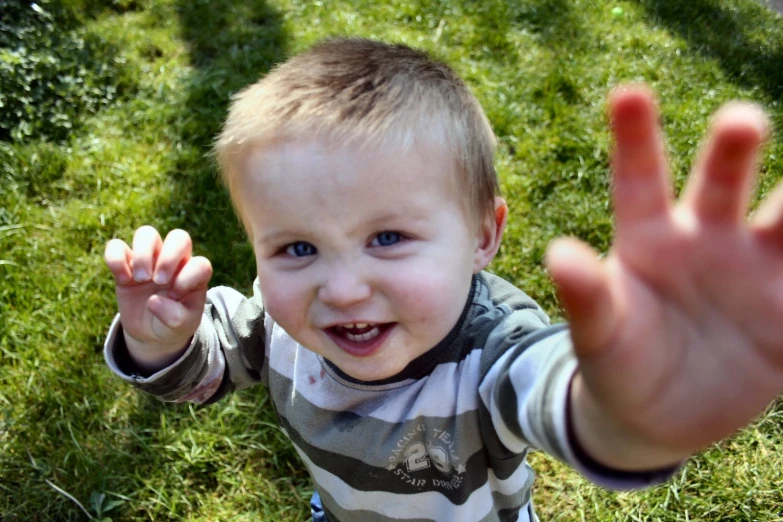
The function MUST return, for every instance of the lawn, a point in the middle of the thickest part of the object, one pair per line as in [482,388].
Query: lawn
[107,114]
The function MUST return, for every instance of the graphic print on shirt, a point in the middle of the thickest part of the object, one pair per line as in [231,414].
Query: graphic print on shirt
[427,448]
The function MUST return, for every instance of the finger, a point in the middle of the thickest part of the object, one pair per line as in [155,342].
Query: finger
[721,182]
[583,290]
[767,221]
[146,246]
[118,256]
[175,252]
[641,187]
[173,314]
[193,277]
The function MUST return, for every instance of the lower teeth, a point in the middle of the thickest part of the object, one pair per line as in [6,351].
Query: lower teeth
[359,338]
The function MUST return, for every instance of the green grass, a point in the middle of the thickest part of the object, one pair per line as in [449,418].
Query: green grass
[541,68]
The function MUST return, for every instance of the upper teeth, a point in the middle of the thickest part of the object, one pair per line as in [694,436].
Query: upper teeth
[356,325]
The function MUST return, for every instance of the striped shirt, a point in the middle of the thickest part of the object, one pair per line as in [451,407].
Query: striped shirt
[444,440]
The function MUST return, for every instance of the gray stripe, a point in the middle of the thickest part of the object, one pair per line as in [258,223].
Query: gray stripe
[509,333]
[492,442]
[237,325]
[509,515]
[247,329]
[503,502]
[541,405]
[449,391]
[337,514]
[505,508]
[504,395]
[503,461]
[502,292]
[454,487]
[180,380]
[371,439]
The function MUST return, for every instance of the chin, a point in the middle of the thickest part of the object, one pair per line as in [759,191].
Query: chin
[369,374]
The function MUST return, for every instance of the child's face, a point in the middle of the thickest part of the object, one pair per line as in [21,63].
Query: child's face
[364,256]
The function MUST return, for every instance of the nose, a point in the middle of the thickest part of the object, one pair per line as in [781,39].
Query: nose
[343,287]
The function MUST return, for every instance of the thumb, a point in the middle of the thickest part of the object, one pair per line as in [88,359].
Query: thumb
[178,319]
[583,289]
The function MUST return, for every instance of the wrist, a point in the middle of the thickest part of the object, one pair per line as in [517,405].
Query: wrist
[152,357]
[608,442]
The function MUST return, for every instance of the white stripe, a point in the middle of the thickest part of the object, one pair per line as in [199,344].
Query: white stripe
[526,376]
[505,435]
[534,362]
[269,327]
[449,390]
[430,505]
[513,483]
[108,345]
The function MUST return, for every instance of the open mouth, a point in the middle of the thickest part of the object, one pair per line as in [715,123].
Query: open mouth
[360,339]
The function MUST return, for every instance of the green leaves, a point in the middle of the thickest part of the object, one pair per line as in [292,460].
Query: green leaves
[101,504]
[52,73]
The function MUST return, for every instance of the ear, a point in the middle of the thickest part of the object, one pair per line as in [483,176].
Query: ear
[489,236]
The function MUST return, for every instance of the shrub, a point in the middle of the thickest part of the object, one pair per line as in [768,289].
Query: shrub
[51,71]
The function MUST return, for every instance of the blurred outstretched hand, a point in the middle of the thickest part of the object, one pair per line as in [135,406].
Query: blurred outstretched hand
[679,330]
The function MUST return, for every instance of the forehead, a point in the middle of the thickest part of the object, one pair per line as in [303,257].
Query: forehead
[425,155]
[315,170]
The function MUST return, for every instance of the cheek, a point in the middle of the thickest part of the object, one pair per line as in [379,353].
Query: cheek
[283,300]
[433,296]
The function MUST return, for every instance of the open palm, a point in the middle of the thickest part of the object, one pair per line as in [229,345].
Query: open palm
[679,331]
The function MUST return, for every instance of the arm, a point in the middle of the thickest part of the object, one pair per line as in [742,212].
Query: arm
[226,353]
[172,338]
[527,393]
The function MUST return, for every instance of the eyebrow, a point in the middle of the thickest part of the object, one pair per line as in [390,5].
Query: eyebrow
[403,215]
[407,215]
[272,237]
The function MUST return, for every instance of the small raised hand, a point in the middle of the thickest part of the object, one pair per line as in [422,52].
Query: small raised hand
[161,291]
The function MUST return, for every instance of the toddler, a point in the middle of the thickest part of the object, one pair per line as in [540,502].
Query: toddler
[411,382]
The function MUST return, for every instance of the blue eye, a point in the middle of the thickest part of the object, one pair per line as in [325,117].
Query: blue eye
[387,239]
[300,249]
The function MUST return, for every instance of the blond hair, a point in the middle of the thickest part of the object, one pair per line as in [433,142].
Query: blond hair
[358,90]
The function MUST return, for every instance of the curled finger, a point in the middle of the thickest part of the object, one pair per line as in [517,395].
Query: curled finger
[194,276]
[171,313]
[118,257]
[146,246]
[176,251]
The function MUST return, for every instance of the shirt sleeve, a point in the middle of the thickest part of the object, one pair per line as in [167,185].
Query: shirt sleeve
[227,352]
[526,391]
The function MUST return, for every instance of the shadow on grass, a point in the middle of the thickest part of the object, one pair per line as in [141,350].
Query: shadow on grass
[553,20]
[746,44]
[232,43]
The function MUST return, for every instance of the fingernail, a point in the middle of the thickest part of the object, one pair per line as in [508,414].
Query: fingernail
[160,278]
[172,295]
[141,275]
